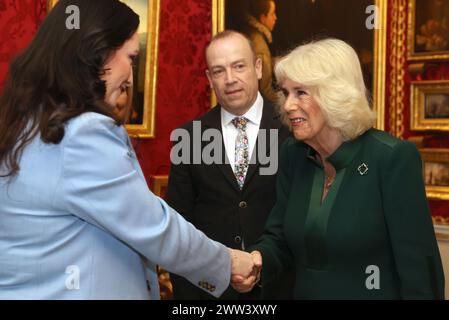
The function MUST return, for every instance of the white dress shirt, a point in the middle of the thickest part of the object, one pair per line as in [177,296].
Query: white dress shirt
[254,115]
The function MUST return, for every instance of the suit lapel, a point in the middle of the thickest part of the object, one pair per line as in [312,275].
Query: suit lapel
[269,121]
[213,120]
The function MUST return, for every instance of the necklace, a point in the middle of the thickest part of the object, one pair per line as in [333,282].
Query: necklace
[328,180]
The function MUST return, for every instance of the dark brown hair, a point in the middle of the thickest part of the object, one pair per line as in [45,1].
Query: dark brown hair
[57,77]
[259,7]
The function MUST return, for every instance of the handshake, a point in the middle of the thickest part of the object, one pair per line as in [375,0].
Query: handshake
[245,269]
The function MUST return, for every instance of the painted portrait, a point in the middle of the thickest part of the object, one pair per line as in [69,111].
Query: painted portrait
[428,30]
[300,21]
[436,106]
[429,105]
[436,173]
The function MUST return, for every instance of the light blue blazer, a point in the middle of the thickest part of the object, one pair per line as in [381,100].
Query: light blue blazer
[79,222]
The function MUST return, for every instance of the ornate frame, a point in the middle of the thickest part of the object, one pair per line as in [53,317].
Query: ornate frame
[435,156]
[160,183]
[442,221]
[419,56]
[380,45]
[146,129]
[418,91]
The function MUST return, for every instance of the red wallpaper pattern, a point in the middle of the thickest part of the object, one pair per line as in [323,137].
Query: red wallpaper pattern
[19,20]
[182,88]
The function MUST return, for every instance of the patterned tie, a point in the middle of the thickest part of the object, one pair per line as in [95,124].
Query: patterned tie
[241,160]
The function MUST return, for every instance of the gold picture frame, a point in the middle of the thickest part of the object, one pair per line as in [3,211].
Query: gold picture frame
[379,53]
[440,220]
[159,185]
[429,105]
[142,125]
[428,36]
[436,173]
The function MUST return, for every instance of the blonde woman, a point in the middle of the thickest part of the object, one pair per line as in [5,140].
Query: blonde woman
[351,211]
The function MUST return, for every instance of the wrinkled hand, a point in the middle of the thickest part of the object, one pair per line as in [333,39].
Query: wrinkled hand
[239,281]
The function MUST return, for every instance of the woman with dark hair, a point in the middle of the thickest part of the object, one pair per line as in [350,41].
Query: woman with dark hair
[77,220]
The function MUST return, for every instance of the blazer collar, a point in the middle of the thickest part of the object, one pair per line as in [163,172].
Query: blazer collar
[270,120]
[342,157]
[212,119]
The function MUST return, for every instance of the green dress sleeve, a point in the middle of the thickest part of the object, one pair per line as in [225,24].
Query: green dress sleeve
[409,224]
[276,255]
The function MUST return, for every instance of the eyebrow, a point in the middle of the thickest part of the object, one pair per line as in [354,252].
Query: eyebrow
[295,88]
[238,61]
[232,64]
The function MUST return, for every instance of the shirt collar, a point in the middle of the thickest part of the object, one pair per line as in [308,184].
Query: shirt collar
[254,114]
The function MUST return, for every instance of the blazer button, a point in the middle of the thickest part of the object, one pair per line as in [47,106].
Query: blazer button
[238,239]
[243,204]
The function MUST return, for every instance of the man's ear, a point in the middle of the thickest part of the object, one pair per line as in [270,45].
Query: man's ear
[258,66]
[209,78]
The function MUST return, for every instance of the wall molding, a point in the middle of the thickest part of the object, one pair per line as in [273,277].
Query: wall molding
[397,61]
[442,232]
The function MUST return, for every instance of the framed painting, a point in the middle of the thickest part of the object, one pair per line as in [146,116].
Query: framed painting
[428,30]
[159,185]
[436,173]
[142,118]
[429,106]
[441,221]
[299,21]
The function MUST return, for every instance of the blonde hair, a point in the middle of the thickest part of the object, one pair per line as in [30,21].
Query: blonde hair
[331,70]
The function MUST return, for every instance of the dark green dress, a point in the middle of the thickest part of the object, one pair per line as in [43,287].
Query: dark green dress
[371,238]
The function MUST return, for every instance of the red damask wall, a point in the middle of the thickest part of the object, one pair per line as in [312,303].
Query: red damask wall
[19,20]
[182,88]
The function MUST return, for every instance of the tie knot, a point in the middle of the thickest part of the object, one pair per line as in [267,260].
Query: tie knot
[240,122]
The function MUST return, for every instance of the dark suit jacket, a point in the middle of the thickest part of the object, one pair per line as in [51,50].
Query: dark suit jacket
[209,197]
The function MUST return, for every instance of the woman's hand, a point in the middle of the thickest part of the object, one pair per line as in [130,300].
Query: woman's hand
[245,284]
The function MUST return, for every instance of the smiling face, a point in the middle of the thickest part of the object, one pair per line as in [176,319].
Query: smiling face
[118,70]
[302,112]
[233,73]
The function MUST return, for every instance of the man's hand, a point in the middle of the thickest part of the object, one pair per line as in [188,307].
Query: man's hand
[239,281]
